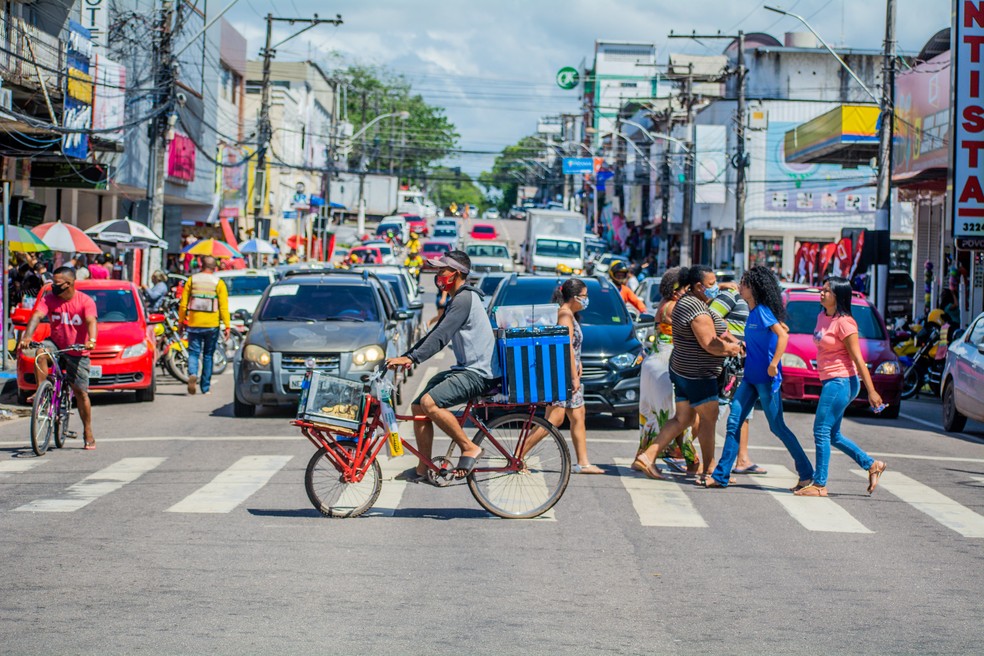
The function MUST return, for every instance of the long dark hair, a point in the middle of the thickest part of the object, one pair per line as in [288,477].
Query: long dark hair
[765,290]
[843,292]
[571,288]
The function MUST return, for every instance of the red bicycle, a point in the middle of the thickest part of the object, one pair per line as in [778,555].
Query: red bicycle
[523,470]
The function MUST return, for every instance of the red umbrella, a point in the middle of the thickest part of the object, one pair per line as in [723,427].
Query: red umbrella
[295,241]
[66,238]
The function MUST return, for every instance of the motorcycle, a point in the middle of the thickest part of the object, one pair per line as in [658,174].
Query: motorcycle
[925,366]
[172,348]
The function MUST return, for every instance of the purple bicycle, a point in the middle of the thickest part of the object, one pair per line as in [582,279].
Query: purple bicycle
[52,402]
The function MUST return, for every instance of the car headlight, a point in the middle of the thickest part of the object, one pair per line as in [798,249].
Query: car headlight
[135,351]
[626,360]
[793,361]
[367,355]
[889,368]
[256,355]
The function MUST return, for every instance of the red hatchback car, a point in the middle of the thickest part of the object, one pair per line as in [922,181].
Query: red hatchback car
[125,352]
[484,231]
[417,224]
[800,379]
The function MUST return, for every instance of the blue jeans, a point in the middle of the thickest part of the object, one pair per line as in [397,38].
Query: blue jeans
[201,344]
[741,405]
[835,396]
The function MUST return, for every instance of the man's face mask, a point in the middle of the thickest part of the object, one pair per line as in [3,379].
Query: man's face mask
[59,289]
[444,281]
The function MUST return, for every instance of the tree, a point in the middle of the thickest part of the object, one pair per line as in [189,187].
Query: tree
[447,185]
[411,147]
[510,170]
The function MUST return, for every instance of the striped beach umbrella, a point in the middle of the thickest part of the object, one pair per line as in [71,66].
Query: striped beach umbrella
[65,238]
[22,240]
[214,247]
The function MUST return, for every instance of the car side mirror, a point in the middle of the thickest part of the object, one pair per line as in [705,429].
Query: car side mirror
[402,315]
[155,317]
[391,325]
[646,319]
[980,349]
[416,305]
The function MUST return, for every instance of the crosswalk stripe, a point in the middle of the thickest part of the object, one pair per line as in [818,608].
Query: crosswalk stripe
[8,467]
[522,492]
[392,491]
[940,507]
[814,513]
[658,503]
[232,486]
[99,484]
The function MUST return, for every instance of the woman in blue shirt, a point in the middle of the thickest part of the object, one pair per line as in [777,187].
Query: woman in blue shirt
[765,342]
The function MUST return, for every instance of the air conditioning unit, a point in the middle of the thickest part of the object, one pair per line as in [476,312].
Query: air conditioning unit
[6,99]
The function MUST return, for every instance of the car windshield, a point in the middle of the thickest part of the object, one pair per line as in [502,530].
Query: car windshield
[489,283]
[490,250]
[114,305]
[307,302]
[445,232]
[606,305]
[802,319]
[483,230]
[246,285]
[436,247]
[389,227]
[557,248]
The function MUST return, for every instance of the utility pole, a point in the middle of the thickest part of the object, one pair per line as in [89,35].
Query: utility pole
[264,129]
[740,160]
[162,127]
[360,221]
[883,217]
[686,236]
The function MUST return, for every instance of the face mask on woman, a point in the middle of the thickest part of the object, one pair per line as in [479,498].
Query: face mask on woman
[712,292]
[583,302]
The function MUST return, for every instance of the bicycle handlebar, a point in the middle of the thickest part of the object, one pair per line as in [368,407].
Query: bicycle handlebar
[73,347]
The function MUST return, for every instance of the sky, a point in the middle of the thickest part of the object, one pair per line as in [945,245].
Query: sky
[491,63]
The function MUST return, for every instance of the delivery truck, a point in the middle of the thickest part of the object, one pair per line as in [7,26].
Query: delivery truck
[379,191]
[554,242]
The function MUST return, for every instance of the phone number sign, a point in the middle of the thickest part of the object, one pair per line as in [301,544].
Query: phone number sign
[968,116]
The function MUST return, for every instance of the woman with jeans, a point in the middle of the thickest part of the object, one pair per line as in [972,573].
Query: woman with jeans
[765,342]
[839,361]
[701,341]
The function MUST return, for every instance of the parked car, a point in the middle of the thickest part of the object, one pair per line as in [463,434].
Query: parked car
[449,235]
[516,213]
[611,354]
[963,378]
[483,231]
[800,379]
[417,224]
[487,283]
[491,214]
[409,282]
[446,223]
[342,321]
[246,286]
[125,352]
[489,256]
[648,291]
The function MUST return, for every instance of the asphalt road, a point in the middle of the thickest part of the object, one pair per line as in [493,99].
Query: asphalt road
[189,531]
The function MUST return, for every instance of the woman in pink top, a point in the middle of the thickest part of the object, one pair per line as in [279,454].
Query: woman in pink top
[839,362]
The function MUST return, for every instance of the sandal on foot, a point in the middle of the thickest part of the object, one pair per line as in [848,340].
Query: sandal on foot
[587,469]
[710,483]
[647,468]
[89,446]
[811,490]
[877,469]
[800,485]
[751,469]
[466,465]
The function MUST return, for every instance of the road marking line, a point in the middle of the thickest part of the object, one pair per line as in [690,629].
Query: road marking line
[815,514]
[391,493]
[938,428]
[977,479]
[233,486]
[99,484]
[940,507]
[9,467]
[658,503]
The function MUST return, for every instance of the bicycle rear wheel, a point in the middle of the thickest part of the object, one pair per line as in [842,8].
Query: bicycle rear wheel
[514,494]
[332,495]
[41,418]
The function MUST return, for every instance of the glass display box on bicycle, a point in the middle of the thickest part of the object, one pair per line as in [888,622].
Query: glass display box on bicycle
[332,401]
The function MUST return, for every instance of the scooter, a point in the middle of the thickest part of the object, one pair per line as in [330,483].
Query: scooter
[925,367]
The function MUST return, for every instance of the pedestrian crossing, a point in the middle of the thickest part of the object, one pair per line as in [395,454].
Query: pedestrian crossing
[667,503]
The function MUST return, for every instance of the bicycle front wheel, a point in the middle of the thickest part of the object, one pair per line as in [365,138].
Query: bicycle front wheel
[42,418]
[332,495]
[526,493]
[64,414]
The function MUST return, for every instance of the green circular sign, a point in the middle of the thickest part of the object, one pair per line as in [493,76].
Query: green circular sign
[567,77]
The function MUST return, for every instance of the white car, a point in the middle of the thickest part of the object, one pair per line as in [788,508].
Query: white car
[963,378]
[446,223]
[489,256]
[246,286]
[491,213]
[389,254]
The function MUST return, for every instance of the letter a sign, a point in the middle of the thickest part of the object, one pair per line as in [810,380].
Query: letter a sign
[968,122]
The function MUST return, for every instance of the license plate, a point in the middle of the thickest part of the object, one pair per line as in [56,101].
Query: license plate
[95,371]
[295,382]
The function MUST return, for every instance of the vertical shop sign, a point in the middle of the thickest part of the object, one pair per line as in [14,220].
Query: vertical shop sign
[968,112]
[78,92]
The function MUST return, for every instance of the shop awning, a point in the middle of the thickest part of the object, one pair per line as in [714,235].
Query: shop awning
[846,135]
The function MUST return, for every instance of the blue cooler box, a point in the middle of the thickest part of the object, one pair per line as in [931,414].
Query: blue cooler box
[536,364]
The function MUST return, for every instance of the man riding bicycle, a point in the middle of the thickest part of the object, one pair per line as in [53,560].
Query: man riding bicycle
[73,321]
[467,328]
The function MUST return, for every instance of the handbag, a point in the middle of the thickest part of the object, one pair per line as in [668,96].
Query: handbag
[731,374]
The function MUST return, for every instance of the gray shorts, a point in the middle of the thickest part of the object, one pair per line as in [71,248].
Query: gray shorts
[74,368]
[454,387]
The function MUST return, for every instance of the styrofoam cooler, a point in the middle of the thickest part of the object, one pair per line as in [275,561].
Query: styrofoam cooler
[535,364]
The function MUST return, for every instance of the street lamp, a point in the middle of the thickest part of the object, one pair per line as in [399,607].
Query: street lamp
[360,224]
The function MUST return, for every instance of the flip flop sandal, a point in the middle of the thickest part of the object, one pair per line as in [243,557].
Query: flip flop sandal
[587,469]
[89,446]
[752,469]
[466,465]
[647,468]
[799,486]
[874,472]
[713,484]
[811,490]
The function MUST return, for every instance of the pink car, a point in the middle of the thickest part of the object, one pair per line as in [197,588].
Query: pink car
[800,380]
[484,231]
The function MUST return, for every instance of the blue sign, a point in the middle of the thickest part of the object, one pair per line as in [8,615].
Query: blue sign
[575,165]
[78,92]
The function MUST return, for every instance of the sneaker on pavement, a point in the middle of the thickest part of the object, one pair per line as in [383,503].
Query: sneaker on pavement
[191,384]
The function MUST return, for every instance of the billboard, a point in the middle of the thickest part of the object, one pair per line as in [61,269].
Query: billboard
[78,92]
[922,116]
[968,108]
[109,99]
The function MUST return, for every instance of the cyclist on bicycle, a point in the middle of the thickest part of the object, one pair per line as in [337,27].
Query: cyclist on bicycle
[72,316]
[466,327]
